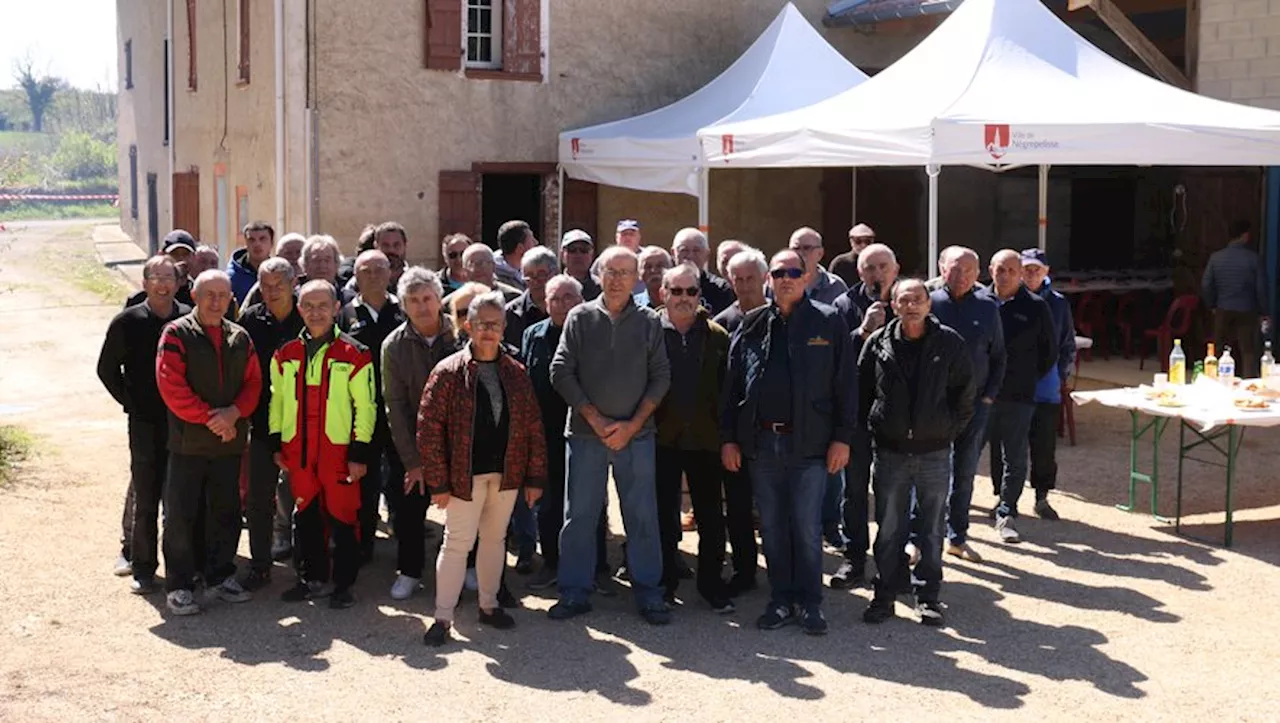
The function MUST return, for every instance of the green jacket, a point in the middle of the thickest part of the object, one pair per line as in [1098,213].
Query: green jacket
[701,431]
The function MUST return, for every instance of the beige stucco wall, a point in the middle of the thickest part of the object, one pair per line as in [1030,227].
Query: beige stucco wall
[387,126]
[140,113]
[1240,51]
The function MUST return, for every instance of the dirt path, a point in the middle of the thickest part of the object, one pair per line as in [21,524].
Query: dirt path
[1102,616]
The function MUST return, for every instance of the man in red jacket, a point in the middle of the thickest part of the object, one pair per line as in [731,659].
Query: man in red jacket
[210,380]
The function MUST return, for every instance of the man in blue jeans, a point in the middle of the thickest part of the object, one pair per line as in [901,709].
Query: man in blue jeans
[1031,350]
[961,305]
[612,370]
[917,391]
[789,408]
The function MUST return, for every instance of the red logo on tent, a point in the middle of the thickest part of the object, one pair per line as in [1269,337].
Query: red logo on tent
[997,140]
[574,147]
[726,145]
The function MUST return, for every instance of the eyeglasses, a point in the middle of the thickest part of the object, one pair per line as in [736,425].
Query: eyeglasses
[790,272]
[486,325]
[682,291]
[542,276]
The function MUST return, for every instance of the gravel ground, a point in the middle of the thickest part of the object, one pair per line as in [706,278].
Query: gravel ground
[1104,615]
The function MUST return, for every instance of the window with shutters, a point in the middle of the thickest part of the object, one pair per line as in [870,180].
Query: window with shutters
[484,34]
[490,39]
[191,44]
[242,16]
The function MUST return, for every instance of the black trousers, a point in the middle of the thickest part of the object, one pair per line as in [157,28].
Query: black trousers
[213,482]
[148,465]
[550,510]
[857,494]
[411,531]
[739,516]
[260,503]
[371,486]
[703,471]
[312,528]
[126,521]
[1044,448]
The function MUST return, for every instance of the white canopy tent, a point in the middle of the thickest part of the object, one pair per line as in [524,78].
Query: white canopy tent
[789,66]
[1003,83]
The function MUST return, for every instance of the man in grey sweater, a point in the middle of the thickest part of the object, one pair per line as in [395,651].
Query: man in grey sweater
[1235,287]
[611,368]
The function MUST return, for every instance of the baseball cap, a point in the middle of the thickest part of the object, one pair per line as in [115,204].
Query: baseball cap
[628,224]
[577,235]
[1034,257]
[179,239]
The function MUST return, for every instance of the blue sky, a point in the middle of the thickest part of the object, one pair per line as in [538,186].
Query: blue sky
[74,39]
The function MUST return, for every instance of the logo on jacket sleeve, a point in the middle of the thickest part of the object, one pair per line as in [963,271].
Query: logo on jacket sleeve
[819,341]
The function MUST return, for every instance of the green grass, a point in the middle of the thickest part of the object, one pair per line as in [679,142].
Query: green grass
[15,446]
[80,266]
[23,141]
[55,211]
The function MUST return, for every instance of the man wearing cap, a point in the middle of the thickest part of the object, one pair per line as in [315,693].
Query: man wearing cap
[846,264]
[628,235]
[577,251]
[179,246]
[1049,390]
[822,286]
[259,240]
[690,246]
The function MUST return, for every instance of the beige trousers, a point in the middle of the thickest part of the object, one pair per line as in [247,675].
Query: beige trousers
[486,515]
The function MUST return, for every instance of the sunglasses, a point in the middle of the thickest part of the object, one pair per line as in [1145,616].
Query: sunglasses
[575,249]
[682,291]
[787,273]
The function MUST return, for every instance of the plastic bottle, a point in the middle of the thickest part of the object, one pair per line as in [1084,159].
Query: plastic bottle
[1268,362]
[1227,367]
[1177,364]
[1211,363]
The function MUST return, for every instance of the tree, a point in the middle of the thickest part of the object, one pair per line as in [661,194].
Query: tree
[40,90]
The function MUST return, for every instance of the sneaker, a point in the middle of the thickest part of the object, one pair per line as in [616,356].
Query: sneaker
[404,587]
[656,615]
[740,584]
[1045,511]
[281,549]
[181,602]
[436,635]
[546,578]
[524,565]
[963,551]
[303,591]
[671,600]
[847,576]
[605,586]
[777,616]
[622,573]
[930,612]
[880,610]
[722,606]
[143,585]
[566,609]
[499,619]
[913,553]
[506,599]
[256,580]
[833,539]
[230,590]
[813,623]
[471,582]
[1007,531]
[341,599]
[122,568]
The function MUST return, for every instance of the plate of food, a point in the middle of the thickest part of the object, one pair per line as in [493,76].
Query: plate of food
[1259,388]
[1251,404]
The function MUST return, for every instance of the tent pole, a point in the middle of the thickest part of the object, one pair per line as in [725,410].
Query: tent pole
[704,200]
[853,204]
[933,170]
[1044,205]
[559,206]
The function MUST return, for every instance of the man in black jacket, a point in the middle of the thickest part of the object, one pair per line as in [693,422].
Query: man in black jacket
[127,368]
[790,406]
[1031,350]
[917,391]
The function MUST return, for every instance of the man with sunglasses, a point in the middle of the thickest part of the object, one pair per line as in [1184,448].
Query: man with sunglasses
[821,285]
[846,264]
[577,251]
[453,275]
[790,410]
[688,434]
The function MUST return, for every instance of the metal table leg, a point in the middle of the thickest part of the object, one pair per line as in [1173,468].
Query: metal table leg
[1155,428]
[1230,454]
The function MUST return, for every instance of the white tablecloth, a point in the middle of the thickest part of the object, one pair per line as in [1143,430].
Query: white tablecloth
[1208,405]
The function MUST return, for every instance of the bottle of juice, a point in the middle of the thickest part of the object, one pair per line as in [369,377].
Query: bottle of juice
[1177,364]
[1211,363]
[1227,367]
[1268,362]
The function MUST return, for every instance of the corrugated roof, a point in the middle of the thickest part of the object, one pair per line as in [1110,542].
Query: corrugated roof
[866,12]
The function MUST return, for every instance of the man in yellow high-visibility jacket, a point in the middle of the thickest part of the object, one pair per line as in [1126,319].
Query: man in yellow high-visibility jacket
[321,423]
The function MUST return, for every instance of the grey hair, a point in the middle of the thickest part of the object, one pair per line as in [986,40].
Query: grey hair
[287,238]
[476,249]
[751,256]
[564,280]
[157,260]
[691,233]
[540,256]
[805,232]
[276,265]
[873,249]
[487,300]
[207,277]
[415,277]
[614,252]
[319,285]
[646,252]
[680,270]
[318,243]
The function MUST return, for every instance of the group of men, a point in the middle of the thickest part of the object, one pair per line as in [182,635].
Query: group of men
[772,385]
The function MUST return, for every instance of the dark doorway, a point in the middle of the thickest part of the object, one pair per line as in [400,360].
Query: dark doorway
[1102,223]
[153,214]
[509,197]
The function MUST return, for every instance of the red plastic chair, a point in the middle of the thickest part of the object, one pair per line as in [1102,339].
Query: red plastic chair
[1131,316]
[1176,325]
[1091,321]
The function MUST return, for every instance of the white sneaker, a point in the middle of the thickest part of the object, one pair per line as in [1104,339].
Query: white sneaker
[1005,528]
[123,568]
[181,602]
[471,582]
[404,587]
[913,553]
[231,591]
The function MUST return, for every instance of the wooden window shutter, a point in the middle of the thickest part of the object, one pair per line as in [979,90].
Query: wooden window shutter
[459,208]
[191,44]
[581,206]
[244,41]
[186,202]
[443,37]
[522,37]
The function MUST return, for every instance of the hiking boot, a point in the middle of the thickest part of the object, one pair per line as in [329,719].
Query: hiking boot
[499,619]
[813,623]
[181,602]
[566,609]
[545,579]
[880,610]
[930,612]
[404,587]
[1007,531]
[963,551]
[776,616]
[847,576]
[1045,511]
[436,635]
[256,580]
[230,590]
[341,599]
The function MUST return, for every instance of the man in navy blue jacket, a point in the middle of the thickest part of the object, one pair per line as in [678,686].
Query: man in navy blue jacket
[976,316]
[1048,399]
[790,406]
[1031,347]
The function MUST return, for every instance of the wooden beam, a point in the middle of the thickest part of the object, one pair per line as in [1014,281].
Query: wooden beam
[1189,63]
[1140,44]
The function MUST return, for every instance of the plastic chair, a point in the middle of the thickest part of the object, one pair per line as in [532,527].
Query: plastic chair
[1176,325]
[1091,321]
[1131,315]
